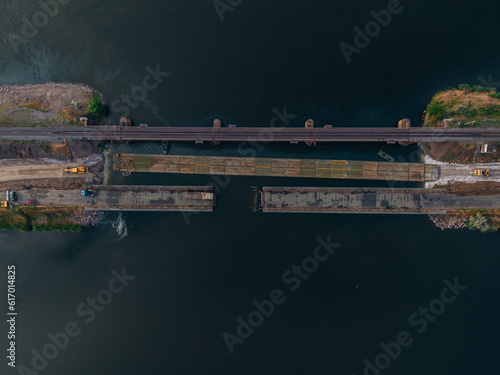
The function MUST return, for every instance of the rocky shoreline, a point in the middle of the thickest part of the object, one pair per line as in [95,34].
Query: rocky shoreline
[448,221]
[89,218]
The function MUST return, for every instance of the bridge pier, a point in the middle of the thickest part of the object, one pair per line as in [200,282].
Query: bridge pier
[310,125]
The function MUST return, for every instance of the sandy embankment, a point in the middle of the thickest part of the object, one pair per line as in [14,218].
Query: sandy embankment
[33,169]
[451,172]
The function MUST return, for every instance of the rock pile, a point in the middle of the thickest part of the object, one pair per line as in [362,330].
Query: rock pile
[89,218]
[448,221]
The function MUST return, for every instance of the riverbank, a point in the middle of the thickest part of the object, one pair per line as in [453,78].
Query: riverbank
[44,219]
[26,165]
[465,106]
[50,104]
[462,107]
[480,220]
[29,164]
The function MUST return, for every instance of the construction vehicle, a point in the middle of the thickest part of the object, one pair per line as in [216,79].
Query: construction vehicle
[89,193]
[3,204]
[10,196]
[482,172]
[78,170]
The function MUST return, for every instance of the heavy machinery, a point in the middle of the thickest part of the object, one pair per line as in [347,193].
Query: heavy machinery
[10,196]
[78,170]
[482,172]
[3,204]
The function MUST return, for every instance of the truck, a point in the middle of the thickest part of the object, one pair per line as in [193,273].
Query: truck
[10,196]
[482,172]
[89,193]
[78,170]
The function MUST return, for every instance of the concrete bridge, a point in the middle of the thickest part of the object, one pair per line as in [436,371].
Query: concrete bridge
[255,134]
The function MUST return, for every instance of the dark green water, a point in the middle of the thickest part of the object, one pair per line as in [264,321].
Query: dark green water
[192,281]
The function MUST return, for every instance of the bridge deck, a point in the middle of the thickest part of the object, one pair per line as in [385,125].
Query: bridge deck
[256,134]
[127,198]
[369,200]
[362,200]
[313,168]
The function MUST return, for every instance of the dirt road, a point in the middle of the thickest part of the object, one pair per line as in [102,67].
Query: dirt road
[29,171]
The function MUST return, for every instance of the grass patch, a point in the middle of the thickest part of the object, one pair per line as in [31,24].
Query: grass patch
[14,219]
[37,105]
[40,219]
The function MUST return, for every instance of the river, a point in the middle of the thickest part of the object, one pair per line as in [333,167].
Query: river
[185,283]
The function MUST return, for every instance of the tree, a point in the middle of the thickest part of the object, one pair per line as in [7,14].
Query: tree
[96,108]
[465,87]
[436,108]
[479,222]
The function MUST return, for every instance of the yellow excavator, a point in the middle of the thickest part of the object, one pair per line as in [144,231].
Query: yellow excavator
[482,172]
[78,170]
[3,204]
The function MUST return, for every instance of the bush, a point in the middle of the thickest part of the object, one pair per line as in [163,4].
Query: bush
[437,109]
[478,88]
[479,222]
[495,95]
[41,228]
[465,87]
[469,112]
[15,221]
[96,107]
[490,110]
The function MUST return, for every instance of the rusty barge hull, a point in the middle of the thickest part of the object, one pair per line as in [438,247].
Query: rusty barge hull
[273,167]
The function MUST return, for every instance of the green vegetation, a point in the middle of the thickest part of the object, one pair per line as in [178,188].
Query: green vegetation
[27,218]
[437,109]
[58,228]
[61,222]
[480,223]
[465,106]
[96,107]
[15,219]
[476,88]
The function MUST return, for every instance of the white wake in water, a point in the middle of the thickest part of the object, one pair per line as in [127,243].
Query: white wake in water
[120,226]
